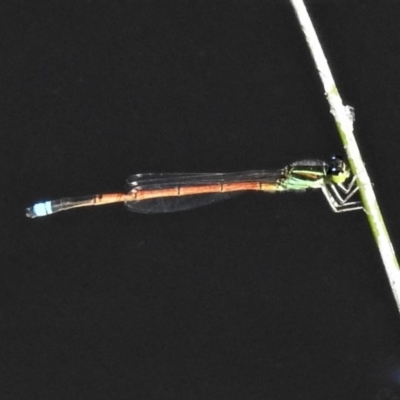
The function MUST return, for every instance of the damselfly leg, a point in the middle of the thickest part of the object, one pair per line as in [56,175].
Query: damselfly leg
[339,203]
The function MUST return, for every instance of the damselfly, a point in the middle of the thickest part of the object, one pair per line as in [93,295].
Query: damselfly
[170,192]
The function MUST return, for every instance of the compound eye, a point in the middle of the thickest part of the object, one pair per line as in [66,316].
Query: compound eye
[335,169]
[337,166]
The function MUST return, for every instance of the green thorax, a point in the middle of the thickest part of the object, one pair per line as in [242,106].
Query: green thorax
[313,174]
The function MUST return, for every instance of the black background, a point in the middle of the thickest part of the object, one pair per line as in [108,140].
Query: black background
[260,297]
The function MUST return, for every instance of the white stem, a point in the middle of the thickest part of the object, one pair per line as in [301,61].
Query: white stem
[344,121]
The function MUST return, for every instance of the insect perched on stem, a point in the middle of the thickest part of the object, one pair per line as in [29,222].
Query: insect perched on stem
[170,192]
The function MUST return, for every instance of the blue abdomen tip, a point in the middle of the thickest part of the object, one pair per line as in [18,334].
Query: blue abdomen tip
[42,209]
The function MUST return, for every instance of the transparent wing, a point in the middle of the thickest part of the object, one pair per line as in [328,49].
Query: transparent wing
[163,180]
[179,203]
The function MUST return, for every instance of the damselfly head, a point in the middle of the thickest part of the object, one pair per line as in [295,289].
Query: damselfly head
[338,170]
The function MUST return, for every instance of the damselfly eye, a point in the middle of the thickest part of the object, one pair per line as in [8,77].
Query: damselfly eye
[337,166]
